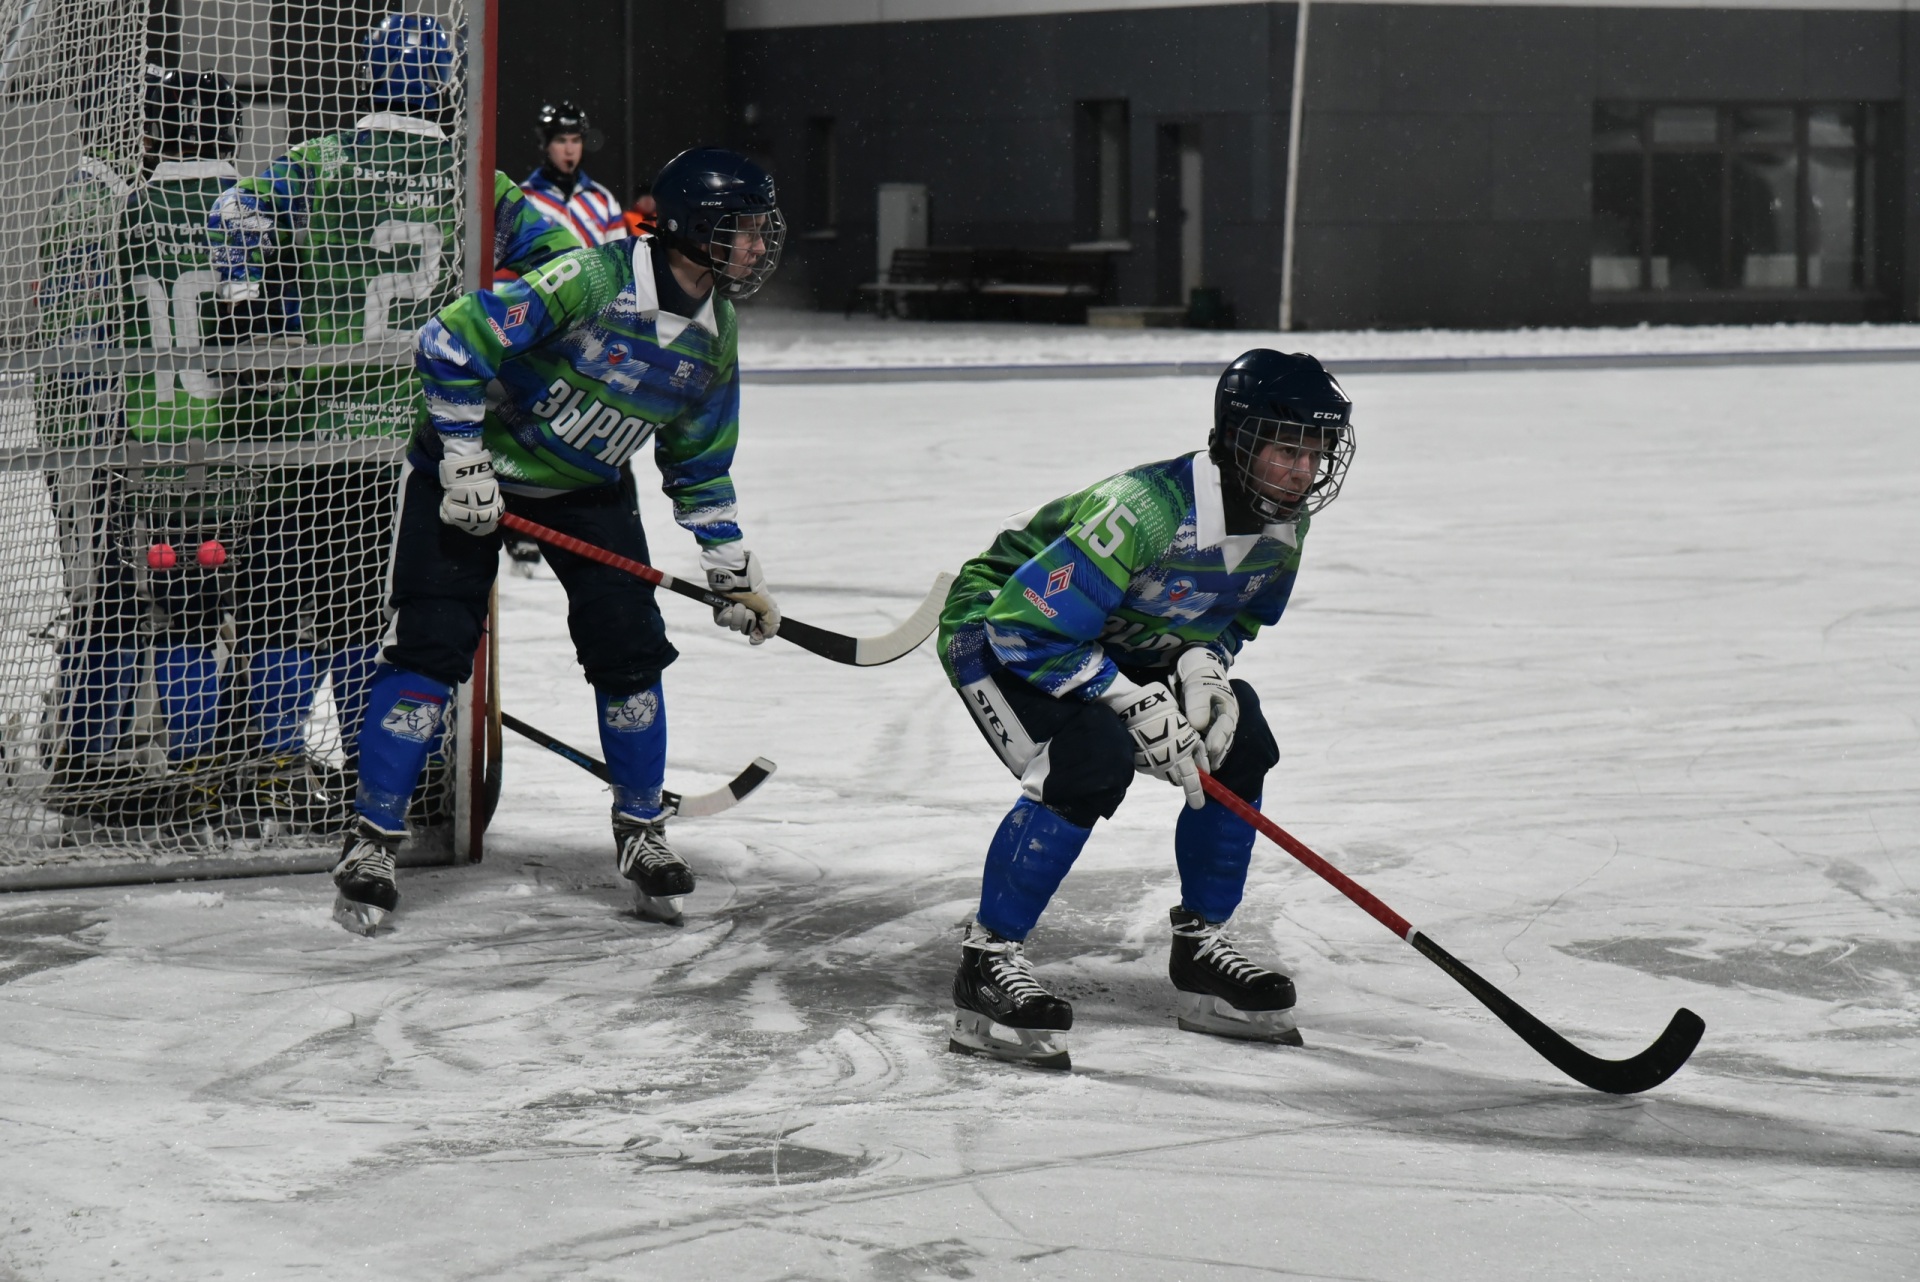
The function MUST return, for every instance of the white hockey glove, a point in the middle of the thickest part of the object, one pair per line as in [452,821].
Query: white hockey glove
[1208,702]
[733,571]
[1164,745]
[472,501]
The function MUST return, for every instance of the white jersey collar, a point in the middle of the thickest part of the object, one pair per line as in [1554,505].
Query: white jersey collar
[394,123]
[666,325]
[1210,517]
[179,169]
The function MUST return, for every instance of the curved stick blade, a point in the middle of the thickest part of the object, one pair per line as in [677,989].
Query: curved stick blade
[1630,1076]
[869,652]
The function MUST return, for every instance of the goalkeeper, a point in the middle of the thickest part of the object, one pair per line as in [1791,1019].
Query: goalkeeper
[587,358]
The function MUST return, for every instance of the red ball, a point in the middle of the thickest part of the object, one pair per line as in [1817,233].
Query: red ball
[160,557]
[212,552]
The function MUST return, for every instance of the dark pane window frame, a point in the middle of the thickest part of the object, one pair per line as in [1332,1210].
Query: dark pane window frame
[1728,200]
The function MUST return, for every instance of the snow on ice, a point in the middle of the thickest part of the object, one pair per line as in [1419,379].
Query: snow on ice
[1605,679]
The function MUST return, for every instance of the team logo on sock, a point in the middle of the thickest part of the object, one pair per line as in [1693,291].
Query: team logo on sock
[414,716]
[633,713]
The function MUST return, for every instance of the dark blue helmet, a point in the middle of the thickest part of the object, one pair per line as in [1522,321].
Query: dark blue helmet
[190,115]
[719,209]
[558,118]
[1273,398]
[407,61]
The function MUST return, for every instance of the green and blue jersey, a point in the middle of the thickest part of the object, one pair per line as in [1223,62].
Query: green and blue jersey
[1126,573]
[565,373]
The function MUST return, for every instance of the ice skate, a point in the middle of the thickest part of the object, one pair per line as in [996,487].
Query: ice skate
[1223,993]
[661,879]
[364,878]
[1000,1008]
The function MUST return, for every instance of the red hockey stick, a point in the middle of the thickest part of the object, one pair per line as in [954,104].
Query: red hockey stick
[865,652]
[1644,1071]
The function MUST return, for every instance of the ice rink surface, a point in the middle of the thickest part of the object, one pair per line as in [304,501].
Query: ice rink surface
[1607,680]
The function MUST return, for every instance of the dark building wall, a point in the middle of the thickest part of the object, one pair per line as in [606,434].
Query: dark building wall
[1446,161]
[651,76]
[1447,157]
[982,111]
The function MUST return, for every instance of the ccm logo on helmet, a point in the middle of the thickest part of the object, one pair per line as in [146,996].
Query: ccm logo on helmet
[1326,414]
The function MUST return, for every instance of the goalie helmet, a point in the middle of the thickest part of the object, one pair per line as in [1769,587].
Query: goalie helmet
[1267,398]
[716,207]
[407,62]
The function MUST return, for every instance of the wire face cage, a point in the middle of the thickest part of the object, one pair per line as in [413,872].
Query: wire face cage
[229,221]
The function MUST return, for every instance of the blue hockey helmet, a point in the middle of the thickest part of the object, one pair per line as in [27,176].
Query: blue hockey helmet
[407,61]
[1266,398]
[720,210]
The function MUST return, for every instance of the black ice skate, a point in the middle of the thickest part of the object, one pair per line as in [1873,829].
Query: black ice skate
[1223,993]
[661,879]
[1000,1008]
[364,877]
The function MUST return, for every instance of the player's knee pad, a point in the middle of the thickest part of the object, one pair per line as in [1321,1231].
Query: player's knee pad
[1030,855]
[1088,768]
[97,683]
[280,686]
[621,640]
[633,734]
[402,723]
[1254,750]
[190,682]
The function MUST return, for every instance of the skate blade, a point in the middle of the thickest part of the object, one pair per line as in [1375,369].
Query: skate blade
[1200,1013]
[977,1034]
[361,919]
[664,909]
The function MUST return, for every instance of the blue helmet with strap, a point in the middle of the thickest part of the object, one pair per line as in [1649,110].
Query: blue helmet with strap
[407,61]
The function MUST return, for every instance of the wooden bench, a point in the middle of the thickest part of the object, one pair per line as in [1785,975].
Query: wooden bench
[960,282]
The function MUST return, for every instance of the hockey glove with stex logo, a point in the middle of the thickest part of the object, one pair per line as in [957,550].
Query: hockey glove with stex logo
[734,572]
[471,500]
[1208,702]
[1165,745]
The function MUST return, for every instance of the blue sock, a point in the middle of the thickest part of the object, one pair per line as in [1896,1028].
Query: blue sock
[98,682]
[633,734]
[188,680]
[404,712]
[1029,856]
[282,684]
[1213,847]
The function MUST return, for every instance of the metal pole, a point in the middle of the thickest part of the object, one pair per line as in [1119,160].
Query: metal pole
[1293,164]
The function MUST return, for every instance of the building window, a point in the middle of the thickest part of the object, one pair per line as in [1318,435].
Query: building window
[822,195]
[1691,198]
[1102,146]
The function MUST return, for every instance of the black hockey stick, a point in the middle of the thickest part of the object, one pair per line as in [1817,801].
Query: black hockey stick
[1641,1072]
[865,652]
[698,806]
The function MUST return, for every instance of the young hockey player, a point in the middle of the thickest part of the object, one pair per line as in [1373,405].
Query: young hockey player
[145,670]
[1092,640]
[561,189]
[537,394]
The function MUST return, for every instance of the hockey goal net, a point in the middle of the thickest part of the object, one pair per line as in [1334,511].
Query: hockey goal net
[225,220]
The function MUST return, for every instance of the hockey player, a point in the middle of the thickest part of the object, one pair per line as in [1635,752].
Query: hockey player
[1092,640]
[537,394]
[561,189]
[149,653]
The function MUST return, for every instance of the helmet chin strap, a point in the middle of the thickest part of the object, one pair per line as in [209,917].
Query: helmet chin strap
[1237,505]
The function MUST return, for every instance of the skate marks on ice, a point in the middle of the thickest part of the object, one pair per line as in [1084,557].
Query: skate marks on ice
[44,938]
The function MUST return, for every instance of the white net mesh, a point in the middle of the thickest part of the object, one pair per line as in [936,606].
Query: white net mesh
[225,220]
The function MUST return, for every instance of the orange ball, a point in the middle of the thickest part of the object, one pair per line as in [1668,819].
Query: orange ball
[161,557]
[212,552]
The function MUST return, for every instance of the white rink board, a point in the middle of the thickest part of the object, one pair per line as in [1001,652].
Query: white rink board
[1605,679]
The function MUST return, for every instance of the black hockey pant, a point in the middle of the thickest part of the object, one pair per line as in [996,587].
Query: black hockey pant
[441,578]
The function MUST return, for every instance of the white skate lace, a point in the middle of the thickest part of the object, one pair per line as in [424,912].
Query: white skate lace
[646,848]
[1217,951]
[370,860]
[1011,972]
